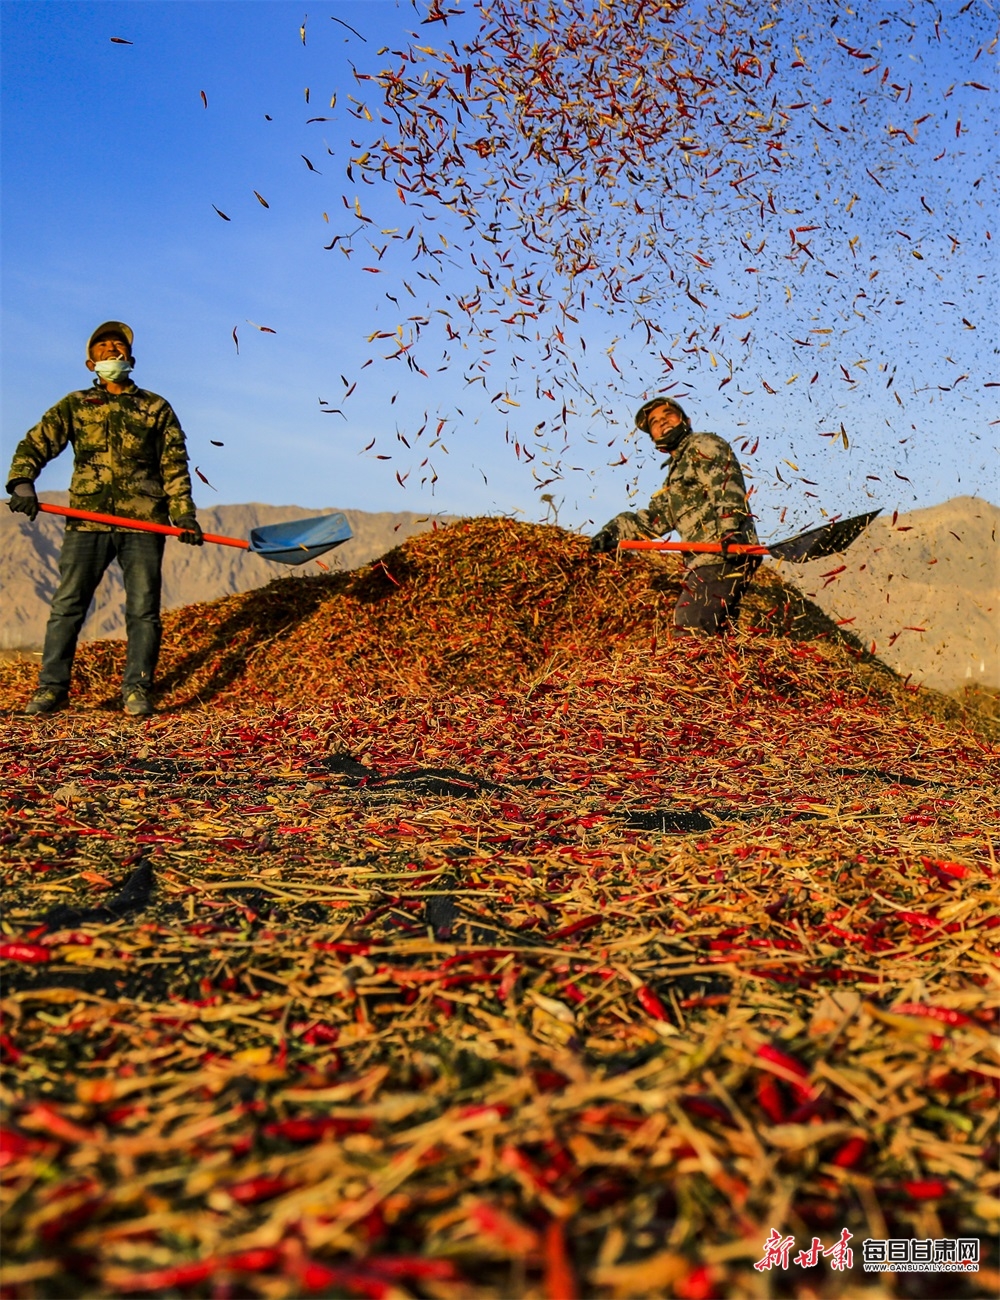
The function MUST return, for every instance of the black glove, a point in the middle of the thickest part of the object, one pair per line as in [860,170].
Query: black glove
[192,534]
[23,500]
[606,541]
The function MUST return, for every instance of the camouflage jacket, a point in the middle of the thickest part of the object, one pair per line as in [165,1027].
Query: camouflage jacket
[129,455]
[704,499]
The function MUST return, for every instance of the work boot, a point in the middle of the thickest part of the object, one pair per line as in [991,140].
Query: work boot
[138,703]
[46,700]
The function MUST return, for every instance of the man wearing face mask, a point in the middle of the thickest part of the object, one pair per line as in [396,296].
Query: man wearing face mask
[129,459]
[704,499]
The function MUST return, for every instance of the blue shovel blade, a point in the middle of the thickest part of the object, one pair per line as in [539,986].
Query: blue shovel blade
[300,540]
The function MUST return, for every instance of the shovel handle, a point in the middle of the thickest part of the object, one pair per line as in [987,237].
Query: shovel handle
[696,548]
[142,525]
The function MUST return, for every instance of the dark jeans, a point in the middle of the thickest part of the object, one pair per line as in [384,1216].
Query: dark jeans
[82,562]
[711,594]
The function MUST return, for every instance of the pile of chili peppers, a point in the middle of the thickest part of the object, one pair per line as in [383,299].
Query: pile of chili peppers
[397,994]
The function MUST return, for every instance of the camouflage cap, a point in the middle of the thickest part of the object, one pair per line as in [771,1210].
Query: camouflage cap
[643,413]
[118,328]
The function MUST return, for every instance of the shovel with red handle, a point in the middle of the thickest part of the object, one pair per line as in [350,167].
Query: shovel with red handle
[294,542]
[829,539]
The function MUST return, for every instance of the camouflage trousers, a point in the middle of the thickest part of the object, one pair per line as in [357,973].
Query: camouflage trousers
[711,594]
[82,562]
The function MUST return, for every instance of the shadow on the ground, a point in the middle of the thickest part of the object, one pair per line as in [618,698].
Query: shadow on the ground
[255,621]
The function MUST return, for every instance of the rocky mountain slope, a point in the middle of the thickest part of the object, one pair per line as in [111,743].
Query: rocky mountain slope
[924,588]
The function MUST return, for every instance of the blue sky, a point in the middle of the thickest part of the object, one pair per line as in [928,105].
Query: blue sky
[112,165]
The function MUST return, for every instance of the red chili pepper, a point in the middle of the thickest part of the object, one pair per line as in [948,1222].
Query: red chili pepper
[548,1080]
[575,927]
[50,1121]
[257,1260]
[481,954]
[167,1279]
[415,1267]
[802,1114]
[850,1153]
[788,1065]
[707,1000]
[608,1117]
[707,1109]
[918,921]
[650,1003]
[514,1236]
[314,1276]
[458,981]
[926,1189]
[560,1280]
[347,949]
[514,1158]
[261,1188]
[14,1145]
[771,1101]
[944,1014]
[500,1110]
[698,1285]
[321,1034]
[57,1230]
[30,952]
[9,1052]
[311,1129]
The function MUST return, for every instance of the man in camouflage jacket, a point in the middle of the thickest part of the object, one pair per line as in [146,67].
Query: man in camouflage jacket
[704,499]
[129,459]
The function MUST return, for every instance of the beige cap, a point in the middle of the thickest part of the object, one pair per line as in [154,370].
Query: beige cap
[115,327]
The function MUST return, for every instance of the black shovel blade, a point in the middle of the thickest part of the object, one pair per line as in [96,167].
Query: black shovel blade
[830,539]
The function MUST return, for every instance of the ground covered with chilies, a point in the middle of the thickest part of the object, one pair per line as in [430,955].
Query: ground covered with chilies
[455,930]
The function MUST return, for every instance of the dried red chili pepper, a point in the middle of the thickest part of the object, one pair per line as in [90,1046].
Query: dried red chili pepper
[788,1065]
[608,1117]
[321,1035]
[8,1052]
[697,1285]
[50,1121]
[314,1276]
[345,949]
[312,1128]
[546,1080]
[771,1101]
[14,1145]
[850,1154]
[560,1280]
[944,1014]
[29,952]
[917,920]
[262,1188]
[412,1268]
[926,1189]
[650,1003]
[167,1279]
[259,1259]
[498,1109]
[705,1108]
[514,1236]
[802,1114]
[574,927]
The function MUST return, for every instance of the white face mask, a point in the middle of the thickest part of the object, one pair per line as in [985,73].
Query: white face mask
[114,370]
